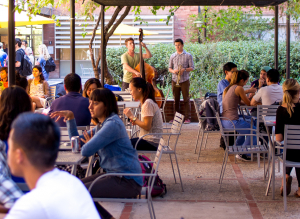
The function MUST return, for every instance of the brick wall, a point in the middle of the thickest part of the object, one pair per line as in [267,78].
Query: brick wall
[170,112]
[48,35]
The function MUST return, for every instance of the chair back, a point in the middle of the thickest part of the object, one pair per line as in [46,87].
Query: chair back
[121,113]
[291,138]
[165,99]
[265,110]
[156,162]
[197,104]
[177,123]
[222,130]
[64,135]
[53,91]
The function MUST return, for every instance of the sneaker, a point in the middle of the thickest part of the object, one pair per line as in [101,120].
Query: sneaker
[171,121]
[243,157]
[187,121]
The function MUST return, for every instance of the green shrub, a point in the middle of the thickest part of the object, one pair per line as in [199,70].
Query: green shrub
[209,60]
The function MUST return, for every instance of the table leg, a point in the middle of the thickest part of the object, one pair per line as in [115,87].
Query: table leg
[74,169]
[273,172]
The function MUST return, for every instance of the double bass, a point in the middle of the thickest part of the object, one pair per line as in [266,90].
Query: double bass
[148,72]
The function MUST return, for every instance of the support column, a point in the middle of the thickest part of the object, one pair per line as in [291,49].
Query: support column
[72,36]
[276,39]
[102,44]
[288,33]
[11,43]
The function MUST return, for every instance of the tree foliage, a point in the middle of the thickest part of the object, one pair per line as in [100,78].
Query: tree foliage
[231,24]
[87,8]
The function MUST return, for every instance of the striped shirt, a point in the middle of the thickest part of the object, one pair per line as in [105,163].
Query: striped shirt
[186,60]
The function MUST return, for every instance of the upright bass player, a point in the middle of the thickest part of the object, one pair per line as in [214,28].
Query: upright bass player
[130,60]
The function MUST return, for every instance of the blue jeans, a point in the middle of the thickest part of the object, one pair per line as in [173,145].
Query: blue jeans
[240,123]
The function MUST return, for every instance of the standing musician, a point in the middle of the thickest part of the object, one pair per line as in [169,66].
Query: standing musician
[184,61]
[130,60]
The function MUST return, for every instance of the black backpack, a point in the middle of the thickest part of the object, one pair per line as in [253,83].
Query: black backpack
[50,65]
[27,66]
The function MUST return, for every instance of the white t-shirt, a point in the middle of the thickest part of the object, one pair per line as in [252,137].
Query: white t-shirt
[269,94]
[57,195]
[150,108]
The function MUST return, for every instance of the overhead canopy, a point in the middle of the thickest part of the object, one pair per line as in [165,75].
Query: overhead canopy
[259,3]
[21,19]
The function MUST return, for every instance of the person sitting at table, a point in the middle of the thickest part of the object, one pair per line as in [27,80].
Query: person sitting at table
[89,86]
[73,101]
[271,93]
[13,101]
[151,119]
[262,81]
[3,75]
[34,143]
[38,88]
[233,94]
[110,140]
[289,114]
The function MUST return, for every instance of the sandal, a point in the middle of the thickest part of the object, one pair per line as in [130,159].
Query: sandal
[288,186]
[296,194]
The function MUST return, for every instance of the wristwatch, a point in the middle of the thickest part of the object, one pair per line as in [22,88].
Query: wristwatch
[184,69]
[134,119]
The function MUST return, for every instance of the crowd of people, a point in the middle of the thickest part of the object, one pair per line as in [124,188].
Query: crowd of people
[32,140]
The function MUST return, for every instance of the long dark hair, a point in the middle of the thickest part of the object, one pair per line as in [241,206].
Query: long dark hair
[236,78]
[88,83]
[41,71]
[147,88]
[13,101]
[107,97]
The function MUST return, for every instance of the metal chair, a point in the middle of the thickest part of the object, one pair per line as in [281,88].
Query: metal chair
[265,110]
[152,175]
[48,101]
[175,131]
[291,141]
[197,103]
[121,113]
[164,105]
[86,71]
[234,149]
[64,135]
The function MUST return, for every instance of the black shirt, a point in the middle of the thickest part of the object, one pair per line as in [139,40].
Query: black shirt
[283,118]
[256,84]
[20,58]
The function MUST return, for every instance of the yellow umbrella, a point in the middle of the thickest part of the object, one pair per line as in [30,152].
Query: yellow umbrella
[124,29]
[22,19]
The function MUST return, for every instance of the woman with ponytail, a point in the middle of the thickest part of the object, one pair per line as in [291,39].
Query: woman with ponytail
[151,119]
[289,114]
[232,96]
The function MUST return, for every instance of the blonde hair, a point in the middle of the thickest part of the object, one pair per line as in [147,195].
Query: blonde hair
[236,78]
[44,51]
[290,89]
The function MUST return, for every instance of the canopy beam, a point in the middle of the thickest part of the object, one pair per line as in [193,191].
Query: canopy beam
[11,43]
[288,38]
[276,38]
[72,35]
[102,45]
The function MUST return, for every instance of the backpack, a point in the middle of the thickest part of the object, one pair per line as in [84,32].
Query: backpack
[159,188]
[50,65]
[209,105]
[27,66]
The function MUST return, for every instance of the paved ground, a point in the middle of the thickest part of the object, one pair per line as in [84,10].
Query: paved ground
[242,194]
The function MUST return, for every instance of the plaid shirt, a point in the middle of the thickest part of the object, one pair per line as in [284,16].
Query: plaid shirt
[9,191]
[186,60]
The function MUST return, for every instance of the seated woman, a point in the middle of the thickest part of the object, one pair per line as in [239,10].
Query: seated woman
[4,78]
[17,99]
[38,88]
[289,114]
[89,86]
[112,144]
[232,96]
[151,119]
